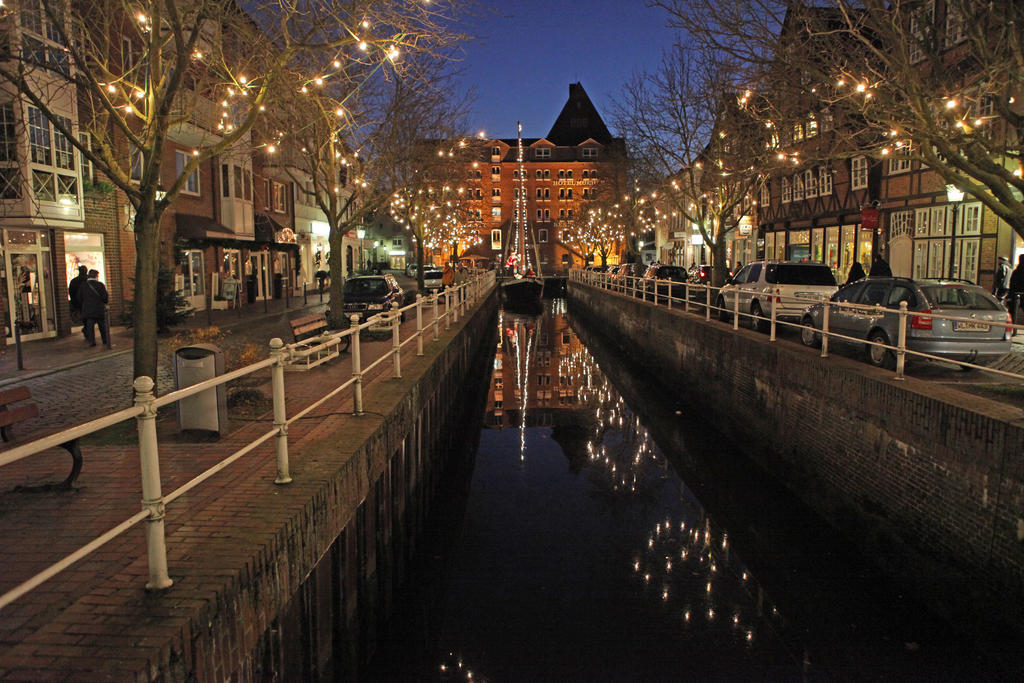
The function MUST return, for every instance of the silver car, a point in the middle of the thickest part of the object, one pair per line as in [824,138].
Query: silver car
[981,336]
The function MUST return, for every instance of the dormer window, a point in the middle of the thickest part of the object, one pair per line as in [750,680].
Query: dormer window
[542,153]
[589,152]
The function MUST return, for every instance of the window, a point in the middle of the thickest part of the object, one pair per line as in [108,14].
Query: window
[568,174]
[811,183]
[766,194]
[191,185]
[561,214]
[54,151]
[899,164]
[859,173]
[954,25]
[10,175]
[88,174]
[542,235]
[496,151]
[586,193]
[496,212]
[798,187]
[542,153]
[495,170]
[238,184]
[811,127]
[901,223]
[44,48]
[225,179]
[971,221]
[540,174]
[478,193]
[787,192]
[568,193]
[547,214]
[280,196]
[495,191]
[824,181]
[569,214]
[921,23]
[586,173]
[593,174]
[798,132]
[589,152]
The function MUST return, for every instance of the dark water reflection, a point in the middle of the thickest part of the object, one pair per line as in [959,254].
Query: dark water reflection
[610,533]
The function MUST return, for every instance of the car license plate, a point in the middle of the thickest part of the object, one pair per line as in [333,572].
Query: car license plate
[969,327]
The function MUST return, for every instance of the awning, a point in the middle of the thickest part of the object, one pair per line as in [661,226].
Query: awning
[190,226]
[265,228]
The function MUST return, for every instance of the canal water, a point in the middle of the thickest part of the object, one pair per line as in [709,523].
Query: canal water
[607,532]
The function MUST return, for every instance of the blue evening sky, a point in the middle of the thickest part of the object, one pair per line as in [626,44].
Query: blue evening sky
[529,51]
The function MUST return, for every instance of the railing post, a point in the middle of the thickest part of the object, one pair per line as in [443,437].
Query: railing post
[447,309]
[707,302]
[686,296]
[152,497]
[434,301]
[357,370]
[419,324]
[735,310]
[824,328]
[280,356]
[775,298]
[670,295]
[901,341]
[396,344]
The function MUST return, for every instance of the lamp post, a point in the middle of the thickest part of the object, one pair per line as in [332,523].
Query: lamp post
[954,195]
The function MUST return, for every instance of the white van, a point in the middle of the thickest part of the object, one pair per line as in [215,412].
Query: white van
[795,285]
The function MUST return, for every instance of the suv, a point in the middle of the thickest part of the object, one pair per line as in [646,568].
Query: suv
[789,282]
[982,337]
[372,294]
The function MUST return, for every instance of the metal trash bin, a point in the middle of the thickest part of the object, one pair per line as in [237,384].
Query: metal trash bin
[207,410]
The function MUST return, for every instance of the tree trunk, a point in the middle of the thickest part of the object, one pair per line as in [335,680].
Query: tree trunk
[719,267]
[337,319]
[419,265]
[147,267]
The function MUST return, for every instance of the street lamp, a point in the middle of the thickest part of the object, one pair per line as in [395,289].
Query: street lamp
[954,195]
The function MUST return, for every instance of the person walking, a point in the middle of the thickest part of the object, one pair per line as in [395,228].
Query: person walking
[93,294]
[1002,282]
[1016,289]
[447,276]
[75,293]
[856,272]
[880,267]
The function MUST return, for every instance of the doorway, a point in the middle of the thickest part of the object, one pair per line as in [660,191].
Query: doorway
[258,275]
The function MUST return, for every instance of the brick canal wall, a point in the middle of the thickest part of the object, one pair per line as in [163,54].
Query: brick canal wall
[928,477]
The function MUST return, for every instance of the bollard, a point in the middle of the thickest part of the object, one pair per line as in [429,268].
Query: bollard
[209,306]
[280,356]
[434,300]
[901,341]
[357,372]
[775,299]
[106,327]
[396,344]
[419,324]
[824,329]
[152,497]
[17,344]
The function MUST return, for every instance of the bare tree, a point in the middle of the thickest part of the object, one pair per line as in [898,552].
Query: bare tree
[940,83]
[687,124]
[598,229]
[143,72]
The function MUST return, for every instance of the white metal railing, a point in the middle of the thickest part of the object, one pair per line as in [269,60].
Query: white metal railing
[457,301]
[698,297]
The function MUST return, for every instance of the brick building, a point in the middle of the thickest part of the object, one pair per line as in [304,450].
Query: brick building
[565,170]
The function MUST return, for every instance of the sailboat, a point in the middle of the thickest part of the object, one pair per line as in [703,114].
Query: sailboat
[524,287]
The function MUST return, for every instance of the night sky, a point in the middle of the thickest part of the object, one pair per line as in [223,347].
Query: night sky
[529,51]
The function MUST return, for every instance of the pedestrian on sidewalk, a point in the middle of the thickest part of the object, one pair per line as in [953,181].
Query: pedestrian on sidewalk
[75,293]
[1002,281]
[880,267]
[94,308]
[1013,298]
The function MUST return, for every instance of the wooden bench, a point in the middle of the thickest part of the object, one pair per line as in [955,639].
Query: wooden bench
[312,331]
[11,415]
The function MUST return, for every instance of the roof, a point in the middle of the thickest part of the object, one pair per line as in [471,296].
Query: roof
[578,121]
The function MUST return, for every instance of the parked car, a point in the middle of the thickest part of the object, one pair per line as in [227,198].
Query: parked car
[621,276]
[432,278]
[411,269]
[372,294]
[795,285]
[984,338]
[664,271]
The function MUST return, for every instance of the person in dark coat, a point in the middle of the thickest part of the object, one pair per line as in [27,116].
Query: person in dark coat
[880,267]
[856,272]
[75,294]
[1013,299]
[94,298]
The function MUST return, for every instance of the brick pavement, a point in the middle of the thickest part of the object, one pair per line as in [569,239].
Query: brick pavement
[84,615]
